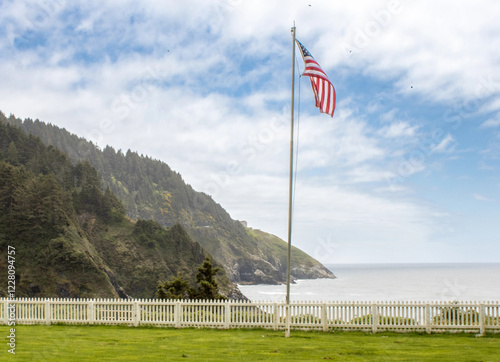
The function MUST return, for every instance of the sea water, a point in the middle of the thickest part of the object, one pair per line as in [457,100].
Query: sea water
[391,282]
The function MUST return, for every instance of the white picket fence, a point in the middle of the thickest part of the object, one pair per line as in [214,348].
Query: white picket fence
[365,316]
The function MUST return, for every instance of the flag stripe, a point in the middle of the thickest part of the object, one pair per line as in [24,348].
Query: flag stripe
[323,89]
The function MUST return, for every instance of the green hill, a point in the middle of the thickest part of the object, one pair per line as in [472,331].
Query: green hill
[72,238]
[149,189]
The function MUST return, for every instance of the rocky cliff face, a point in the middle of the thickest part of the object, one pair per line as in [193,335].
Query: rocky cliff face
[269,266]
[251,256]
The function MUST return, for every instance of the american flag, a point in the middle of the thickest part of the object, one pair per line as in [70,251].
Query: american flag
[323,89]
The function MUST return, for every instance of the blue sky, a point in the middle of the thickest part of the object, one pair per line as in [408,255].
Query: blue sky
[407,170]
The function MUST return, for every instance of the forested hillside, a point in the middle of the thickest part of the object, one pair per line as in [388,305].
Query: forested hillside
[72,237]
[149,189]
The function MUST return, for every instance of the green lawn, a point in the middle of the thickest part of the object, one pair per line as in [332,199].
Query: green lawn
[107,343]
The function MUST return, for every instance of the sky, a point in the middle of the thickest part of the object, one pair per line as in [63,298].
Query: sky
[406,171]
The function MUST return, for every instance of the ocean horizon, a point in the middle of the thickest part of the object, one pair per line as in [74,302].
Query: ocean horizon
[391,282]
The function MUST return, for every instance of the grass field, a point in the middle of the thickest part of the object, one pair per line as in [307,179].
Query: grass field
[115,343]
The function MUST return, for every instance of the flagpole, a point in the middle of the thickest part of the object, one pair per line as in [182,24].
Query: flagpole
[290,195]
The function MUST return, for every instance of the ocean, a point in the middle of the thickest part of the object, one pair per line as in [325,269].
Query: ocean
[391,282]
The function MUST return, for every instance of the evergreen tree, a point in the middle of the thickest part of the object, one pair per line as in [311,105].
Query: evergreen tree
[12,154]
[208,287]
[160,292]
[177,288]
[11,178]
[112,210]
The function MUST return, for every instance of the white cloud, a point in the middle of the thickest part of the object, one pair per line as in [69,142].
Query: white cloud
[491,123]
[392,188]
[398,129]
[446,145]
[480,197]
[368,174]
